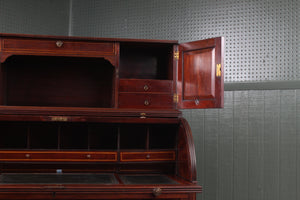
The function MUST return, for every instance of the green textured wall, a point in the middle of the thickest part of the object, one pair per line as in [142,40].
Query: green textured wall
[262,40]
[43,17]
[251,148]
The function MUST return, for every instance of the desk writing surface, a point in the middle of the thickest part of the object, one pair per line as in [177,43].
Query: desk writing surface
[57,178]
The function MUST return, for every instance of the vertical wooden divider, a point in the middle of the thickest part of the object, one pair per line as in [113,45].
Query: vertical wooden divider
[88,137]
[59,137]
[28,136]
[148,138]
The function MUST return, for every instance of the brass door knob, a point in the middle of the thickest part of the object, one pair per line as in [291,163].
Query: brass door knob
[59,43]
[146,102]
[146,88]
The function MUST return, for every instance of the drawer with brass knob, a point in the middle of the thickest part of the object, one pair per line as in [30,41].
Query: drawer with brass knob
[60,47]
[140,100]
[147,156]
[146,86]
[65,156]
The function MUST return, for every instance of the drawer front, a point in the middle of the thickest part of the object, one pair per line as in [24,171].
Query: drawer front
[58,156]
[17,193]
[138,85]
[145,101]
[147,156]
[58,47]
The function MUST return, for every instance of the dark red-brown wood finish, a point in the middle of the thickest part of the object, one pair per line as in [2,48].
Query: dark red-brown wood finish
[177,162]
[2,85]
[97,118]
[200,74]
[186,153]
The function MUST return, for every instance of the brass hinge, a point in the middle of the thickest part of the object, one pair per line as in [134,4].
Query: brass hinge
[218,70]
[176,55]
[175,98]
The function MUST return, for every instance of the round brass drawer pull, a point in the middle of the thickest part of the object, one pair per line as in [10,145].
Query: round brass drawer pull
[146,103]
[88,156]
[59,43]
[147,156]
[157,192]
[146,88]
[27,155]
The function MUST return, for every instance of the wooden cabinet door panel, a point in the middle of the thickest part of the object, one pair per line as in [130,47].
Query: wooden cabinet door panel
[200,74]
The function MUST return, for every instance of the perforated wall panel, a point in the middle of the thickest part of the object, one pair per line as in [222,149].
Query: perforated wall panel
[47,17]
[262,42]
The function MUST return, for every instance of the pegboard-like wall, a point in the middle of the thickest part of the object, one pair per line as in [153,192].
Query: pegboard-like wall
[47,17]
[262,36]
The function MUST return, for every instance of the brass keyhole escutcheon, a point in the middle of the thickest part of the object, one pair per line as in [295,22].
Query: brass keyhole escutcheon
[59,43]
[143,116]
[59,118]
[146,88]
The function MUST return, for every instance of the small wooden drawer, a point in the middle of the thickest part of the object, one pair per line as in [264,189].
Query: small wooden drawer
[57,156]
[140,85]
[147,156]
[65,47]
[145,101]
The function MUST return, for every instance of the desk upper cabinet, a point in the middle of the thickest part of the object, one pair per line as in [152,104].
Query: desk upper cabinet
[97,118]
[170,75]
[147,74]
[74,72]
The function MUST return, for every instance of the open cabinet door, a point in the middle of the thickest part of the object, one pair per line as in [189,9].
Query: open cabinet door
[200,74]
